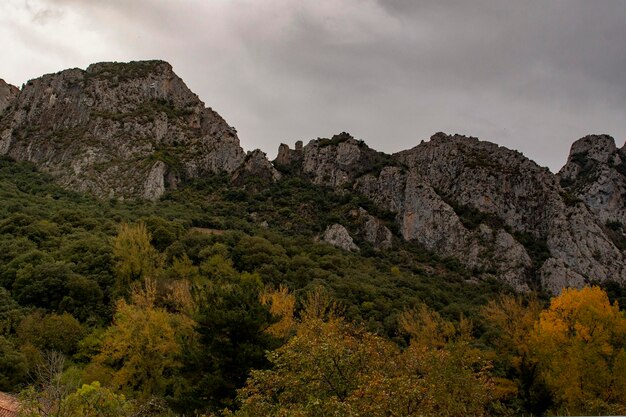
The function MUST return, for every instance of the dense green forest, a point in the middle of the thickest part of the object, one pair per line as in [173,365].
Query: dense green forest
[218,300]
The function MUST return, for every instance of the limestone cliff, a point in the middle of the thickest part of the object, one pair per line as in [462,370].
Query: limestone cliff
[425,218]
[492,208]
[338,236]
[135,130]
[520,199]
[8,94]
[118,130]
[373,229]
[595,172]
[255,168]
[332,162]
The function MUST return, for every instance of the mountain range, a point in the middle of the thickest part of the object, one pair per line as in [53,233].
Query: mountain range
[135,131]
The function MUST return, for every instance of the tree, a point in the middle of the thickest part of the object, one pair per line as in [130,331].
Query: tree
[331,367]
[144,346]
[11,314]
[13,365]
[51,332]
[43,285]
[92,400]
[323,370]
[282,305]
[232,325]
[51,389]
[579,342]
[163,232]
[84,298]
[443,373]
[511,321]
[136,258]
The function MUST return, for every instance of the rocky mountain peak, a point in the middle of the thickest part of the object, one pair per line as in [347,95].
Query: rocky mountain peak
[257,169]
[464,151]
[444,137]
[593,147]
[8,93]
[494,209]
[595,173]
[588,156]
[333,162]
[118,130]
[135,69]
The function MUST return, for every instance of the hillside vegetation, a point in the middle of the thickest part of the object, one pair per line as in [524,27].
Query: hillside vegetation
[219,297]
[149,266]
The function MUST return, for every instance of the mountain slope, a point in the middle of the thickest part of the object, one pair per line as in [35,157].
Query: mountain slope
[526,198]
[495,210]
[118,130]
[134,130]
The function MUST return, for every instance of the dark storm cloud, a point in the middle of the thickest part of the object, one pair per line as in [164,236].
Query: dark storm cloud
[532,75]
[525,41]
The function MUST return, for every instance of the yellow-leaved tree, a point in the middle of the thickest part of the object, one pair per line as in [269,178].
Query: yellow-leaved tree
[282,304]
[444,374]
[579,344]
[331,367]
[511,320]
[135,257]
[142,351]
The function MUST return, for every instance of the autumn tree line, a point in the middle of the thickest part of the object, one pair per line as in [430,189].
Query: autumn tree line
[191,338]
[190,306]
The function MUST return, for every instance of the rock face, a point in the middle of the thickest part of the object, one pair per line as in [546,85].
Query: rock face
[331,162]
[289,157]
[455,176]
[338,236]
[135,130]
[8,93]
[425,218]
[118,130]
[492,208]
[596,173]
[255,168]
[373,230]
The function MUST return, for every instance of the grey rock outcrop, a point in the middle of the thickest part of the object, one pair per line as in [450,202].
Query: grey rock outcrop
[255,168]
[373,229]
[334,162]
[287,157]
[425,218]
[556,275]
[506,189]
[8,94]
[487,177]
[595,172]
[338,236]
[331,165]
[118,129]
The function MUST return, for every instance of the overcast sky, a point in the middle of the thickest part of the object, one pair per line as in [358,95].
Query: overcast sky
[530,75]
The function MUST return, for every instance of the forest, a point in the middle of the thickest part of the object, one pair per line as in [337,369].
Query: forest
[218,300]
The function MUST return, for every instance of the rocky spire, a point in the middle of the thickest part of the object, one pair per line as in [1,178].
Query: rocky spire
[595,172]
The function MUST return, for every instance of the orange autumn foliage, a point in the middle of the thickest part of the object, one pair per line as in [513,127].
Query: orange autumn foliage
[579,343]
